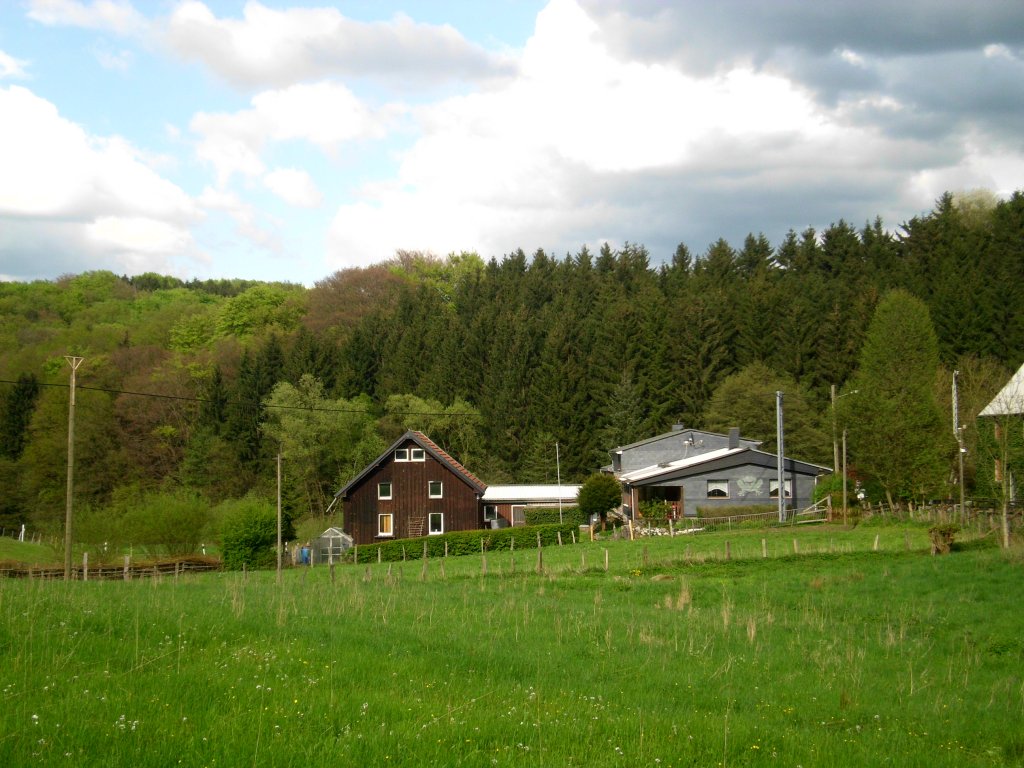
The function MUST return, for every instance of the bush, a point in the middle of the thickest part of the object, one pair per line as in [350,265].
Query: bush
[169,523]
[942,536]
[549,516]
[655,510]
[467,542]
[248,533]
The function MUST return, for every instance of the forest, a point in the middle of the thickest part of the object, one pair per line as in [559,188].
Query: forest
[195,387]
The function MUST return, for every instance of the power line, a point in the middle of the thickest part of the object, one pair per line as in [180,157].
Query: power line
[240,403]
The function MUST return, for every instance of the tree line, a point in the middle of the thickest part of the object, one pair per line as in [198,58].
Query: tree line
[199,385]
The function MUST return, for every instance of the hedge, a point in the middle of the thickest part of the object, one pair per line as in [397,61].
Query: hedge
[550,515]
[466,542]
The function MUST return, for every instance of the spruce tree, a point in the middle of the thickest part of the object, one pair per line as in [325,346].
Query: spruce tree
[896,429]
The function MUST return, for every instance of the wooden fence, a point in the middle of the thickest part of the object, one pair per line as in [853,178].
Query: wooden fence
[108,571]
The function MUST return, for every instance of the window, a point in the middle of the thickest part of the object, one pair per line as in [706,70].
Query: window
[384,490]
[417,454]
[384,525]
[718,489]
[436,523]
[490,512]
[773,489]
[402,454]
[435,489]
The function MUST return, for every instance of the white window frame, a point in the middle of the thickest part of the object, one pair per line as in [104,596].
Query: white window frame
[417,454]
[490,512]
[430,523]
[773,489]
[718,485]
[380,490]
[401,454]
[380,524]
[430,490]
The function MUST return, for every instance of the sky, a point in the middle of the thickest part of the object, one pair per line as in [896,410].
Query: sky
[288,140]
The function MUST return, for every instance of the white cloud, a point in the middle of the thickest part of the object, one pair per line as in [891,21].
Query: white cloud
[294,186]
[325,114]
[112,15]
[118,61]
[534,155]
[279,47]
[12,67]
[246,217]
[70,190]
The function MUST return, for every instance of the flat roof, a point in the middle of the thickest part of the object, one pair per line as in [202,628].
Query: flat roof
[496,494]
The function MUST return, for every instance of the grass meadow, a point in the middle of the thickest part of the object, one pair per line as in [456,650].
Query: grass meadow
[837,655]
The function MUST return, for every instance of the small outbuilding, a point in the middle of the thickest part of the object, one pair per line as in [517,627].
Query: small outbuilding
[506,505]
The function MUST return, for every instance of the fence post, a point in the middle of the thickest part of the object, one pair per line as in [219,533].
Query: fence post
[631,529]
[127,564]
[728,550]
[559,538]
[85,566]
[796,547]
[764,548]
[573,537]
[606,559]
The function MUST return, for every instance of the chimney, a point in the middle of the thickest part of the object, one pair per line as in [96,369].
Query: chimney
[734,437]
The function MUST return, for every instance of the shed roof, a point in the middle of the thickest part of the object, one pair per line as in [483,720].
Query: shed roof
[696,464]
[497,494]
[430,447]
[1010,400]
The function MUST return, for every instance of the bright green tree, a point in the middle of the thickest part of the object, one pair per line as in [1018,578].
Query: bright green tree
[746,399]
[599,495]
[896,429]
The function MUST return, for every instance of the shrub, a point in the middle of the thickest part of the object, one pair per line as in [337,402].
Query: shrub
[467,542]
[655,510]
[169,523]
[942,536]
[248,533]
[549,515]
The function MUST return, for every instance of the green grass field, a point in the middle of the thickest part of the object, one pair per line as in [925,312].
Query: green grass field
[839,655]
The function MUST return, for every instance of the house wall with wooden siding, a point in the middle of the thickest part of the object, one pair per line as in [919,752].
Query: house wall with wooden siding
[410,504]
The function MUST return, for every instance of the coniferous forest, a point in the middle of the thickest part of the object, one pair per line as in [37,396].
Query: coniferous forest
[195,387]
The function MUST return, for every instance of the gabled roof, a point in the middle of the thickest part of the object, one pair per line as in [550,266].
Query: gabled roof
[1010,400]
[675,433]
[695,464]
[430,447]
[497,494]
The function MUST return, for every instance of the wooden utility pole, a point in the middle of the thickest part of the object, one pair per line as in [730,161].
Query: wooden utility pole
[279,548]
[74,362]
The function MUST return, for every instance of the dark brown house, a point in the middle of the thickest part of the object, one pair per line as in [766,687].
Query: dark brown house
[412,489]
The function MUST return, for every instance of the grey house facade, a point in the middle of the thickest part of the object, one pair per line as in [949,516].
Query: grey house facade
[692,469]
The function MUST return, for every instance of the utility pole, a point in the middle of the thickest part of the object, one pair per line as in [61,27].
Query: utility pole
[835,437]
[279,548]
[959,434]
[782,453]
[558,471]
[74,362]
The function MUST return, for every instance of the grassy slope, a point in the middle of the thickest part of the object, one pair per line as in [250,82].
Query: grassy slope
[842,658]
